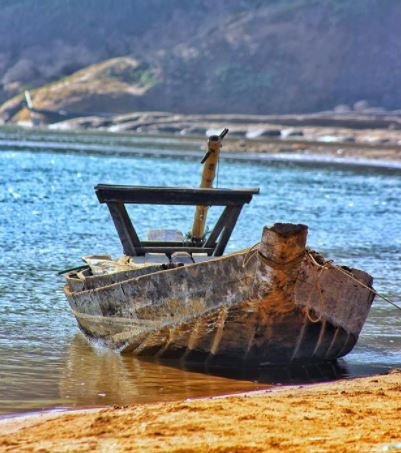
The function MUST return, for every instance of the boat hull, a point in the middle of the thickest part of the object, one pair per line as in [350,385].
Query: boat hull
[274,303]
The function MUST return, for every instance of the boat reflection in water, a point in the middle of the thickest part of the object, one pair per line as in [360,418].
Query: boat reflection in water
[96,376]
[283,374]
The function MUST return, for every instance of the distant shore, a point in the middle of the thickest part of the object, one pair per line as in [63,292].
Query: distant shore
[355,415]
[309,146]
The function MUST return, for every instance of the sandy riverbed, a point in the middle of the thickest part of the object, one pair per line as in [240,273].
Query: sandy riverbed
[345,416]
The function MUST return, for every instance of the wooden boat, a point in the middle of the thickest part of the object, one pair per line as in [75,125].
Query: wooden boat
[274,302]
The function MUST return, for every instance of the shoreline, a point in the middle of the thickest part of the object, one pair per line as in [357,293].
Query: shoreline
[314,154]
[357,414]
[360,414]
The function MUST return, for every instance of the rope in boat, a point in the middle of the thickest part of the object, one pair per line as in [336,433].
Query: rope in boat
[252,251]
[349,275]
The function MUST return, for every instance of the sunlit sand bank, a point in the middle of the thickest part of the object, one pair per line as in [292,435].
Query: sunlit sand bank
[349,415]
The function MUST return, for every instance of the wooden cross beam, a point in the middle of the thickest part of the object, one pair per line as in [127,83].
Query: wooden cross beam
[116,196]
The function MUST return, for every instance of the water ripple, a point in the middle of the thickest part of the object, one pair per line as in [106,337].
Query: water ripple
[50,217]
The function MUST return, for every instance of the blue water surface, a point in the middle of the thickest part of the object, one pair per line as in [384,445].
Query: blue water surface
[50,218]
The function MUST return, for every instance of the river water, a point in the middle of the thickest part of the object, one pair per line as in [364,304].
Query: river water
[50,217]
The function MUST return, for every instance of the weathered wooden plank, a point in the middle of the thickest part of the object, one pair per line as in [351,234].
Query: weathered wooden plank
[215,233]
[128,237]
[170,244]
[173,195]
[228,228]
[210,163]
[141,250]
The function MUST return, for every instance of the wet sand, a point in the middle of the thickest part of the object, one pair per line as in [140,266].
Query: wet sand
[355,415]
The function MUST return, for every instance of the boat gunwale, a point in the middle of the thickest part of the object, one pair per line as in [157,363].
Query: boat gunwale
[71,293]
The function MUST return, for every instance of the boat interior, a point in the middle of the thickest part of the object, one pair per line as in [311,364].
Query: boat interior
[164,248]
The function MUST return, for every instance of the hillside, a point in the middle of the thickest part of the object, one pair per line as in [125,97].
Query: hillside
[199,56]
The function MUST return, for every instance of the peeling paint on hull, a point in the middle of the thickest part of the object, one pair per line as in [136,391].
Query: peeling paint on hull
[273,303]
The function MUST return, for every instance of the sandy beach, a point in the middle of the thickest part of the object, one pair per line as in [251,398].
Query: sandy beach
[355,415]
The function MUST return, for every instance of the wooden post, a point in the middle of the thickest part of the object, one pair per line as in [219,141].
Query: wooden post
[210,162]
[283,243]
